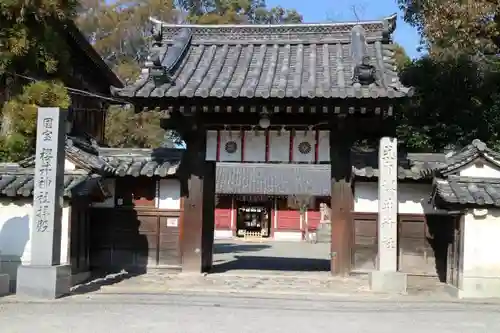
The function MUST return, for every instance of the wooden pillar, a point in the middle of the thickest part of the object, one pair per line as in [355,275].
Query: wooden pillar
[341,140]
[198,190]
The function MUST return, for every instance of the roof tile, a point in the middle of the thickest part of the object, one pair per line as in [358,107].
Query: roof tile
[467,191]
[266,61]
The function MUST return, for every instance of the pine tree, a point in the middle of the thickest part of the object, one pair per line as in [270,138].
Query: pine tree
[30,43]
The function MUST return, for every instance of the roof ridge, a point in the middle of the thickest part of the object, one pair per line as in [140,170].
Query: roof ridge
[389,20]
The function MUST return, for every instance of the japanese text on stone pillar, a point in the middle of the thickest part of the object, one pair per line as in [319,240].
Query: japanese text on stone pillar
[44,180]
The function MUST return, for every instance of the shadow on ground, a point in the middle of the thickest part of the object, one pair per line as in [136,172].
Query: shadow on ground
[224,248]
[102,279]
[273,264]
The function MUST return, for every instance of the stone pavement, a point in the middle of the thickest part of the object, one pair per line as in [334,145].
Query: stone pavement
[317,285]
[154,313]
[266,268]
[236,256]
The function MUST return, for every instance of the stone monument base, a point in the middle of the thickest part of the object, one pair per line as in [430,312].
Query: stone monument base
[476,287]
[45,282]
[4,284]
[388,282]
[324,233]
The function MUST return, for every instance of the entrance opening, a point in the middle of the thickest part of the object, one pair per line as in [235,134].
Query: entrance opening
[267,233]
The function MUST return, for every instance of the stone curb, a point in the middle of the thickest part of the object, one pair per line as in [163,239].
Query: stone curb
[360,296]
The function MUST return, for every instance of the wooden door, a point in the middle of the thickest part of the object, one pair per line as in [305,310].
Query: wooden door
[365,249]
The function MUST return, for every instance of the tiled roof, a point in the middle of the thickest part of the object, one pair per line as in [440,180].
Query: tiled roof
[161,162]
[80,151]
[476,150]
[119,162]
[412,166]
[467,191]
[16,181]
[272,179]
[267,61]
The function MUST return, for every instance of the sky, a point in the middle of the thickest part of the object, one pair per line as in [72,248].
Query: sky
[317,11]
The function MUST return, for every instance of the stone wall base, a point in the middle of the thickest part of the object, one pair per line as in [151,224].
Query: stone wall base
[476,287]
[388,282]
[44,282]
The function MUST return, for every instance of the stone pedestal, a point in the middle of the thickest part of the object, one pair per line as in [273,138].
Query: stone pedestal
[44,282]
[388,282]
[324,233]
[387,278]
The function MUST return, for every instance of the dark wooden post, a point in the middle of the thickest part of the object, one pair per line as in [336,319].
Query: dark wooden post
[341,140]
[198,190]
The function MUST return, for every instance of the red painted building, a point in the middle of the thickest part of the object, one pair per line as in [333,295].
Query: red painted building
[261,199]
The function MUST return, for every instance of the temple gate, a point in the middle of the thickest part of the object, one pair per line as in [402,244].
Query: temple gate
[299,94]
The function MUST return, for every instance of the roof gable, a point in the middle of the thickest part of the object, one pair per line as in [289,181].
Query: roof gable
[477,151]
[468,191]
[269,61]
[103,70]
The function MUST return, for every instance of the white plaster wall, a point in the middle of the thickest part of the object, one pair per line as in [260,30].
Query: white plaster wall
[68,165]
[169,194]
[412,198]
[324,146]
[223,234]
[255,146]
[303,136]
[15,230]
[288,236]
[485,170]
[211,150]
[279,146]
[481,246]
[225,137]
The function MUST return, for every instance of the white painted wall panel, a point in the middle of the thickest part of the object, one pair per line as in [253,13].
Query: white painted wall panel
[483,171]
[169,194]
[481,245]
[255,146]
[225,138]
[68,165]
[279,146]
[324,146]
[412,198]
[304,146]
[15,230]
[211,150]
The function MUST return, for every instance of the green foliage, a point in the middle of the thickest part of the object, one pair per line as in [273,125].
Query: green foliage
[29,39]
[20,113]
[30,43]
[457,101]
[121,30]
[402,59]
[236,11]
[126,129]
[451,27]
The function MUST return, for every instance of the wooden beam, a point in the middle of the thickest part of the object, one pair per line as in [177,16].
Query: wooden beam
[342,200]
[198,192]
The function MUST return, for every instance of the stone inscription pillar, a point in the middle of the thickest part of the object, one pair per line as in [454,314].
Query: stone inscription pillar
[44,277]
[386,277]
